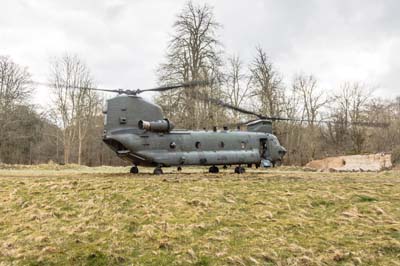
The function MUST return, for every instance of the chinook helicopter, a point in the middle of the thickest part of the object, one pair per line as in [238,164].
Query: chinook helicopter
[137,131]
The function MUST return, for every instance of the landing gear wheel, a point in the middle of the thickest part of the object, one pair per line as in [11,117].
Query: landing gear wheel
[239,170]
[213,169]
[225,167]
[179,169]
[134,170]
[158,171]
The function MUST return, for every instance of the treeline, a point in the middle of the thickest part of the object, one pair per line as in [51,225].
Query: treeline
[69,132]
[322,121]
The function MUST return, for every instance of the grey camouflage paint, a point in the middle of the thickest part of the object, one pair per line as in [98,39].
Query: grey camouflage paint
[181,147]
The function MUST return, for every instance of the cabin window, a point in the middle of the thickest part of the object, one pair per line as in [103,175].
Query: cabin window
[172,145]
[221,144]
[243,145]
[198,145]
[122,120]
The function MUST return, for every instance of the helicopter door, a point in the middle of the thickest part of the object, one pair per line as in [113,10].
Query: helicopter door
[265,153]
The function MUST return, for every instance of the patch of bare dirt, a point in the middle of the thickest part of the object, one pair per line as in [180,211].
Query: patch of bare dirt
[369,162]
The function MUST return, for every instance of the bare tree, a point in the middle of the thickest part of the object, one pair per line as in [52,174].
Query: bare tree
[267,84]
[312,100]
[348,110]
[238,87]
[193,54]
[16,115]
[75,104]
[15,84]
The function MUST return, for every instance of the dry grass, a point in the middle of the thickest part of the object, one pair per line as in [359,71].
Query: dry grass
[102,216]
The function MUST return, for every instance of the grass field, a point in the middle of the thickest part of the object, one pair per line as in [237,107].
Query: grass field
[103,216]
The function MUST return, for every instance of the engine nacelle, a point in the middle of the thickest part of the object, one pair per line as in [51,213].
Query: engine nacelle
[156,126]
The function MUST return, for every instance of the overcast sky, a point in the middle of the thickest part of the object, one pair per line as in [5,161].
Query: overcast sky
[123,42]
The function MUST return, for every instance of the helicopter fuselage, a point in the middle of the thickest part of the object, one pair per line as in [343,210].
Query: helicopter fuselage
[128,131]
[180,147]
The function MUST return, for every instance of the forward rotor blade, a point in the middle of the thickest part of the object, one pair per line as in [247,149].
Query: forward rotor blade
[242,110]
[227,105]
[240,123]
[274,118]
[363,124]
[176,86]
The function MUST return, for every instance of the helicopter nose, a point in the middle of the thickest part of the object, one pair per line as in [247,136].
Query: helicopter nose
[282,151]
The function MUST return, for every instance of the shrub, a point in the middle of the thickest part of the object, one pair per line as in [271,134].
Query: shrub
[396,155]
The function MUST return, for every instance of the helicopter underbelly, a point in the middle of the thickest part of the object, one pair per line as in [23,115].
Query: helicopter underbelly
[168,158]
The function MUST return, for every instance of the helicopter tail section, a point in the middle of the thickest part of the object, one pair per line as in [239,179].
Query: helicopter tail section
[124,153]
[123,112]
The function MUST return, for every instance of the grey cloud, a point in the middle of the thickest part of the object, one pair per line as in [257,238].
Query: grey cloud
[124,41]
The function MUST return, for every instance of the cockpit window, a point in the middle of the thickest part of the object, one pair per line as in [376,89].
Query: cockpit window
[275,140]
[105,107]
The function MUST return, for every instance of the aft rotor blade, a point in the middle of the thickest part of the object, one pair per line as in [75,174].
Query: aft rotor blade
[78,87]
[176,86]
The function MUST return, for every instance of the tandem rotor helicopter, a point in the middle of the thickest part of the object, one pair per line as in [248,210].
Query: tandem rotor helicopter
[137,131]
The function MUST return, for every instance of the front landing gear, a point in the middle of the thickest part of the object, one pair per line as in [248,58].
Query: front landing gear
[213,169]
[239,170]
[134,170]
[158,171]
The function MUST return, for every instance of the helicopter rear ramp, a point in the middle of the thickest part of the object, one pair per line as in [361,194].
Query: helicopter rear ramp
[353,163]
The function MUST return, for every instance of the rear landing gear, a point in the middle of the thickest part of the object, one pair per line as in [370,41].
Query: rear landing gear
[134,170]
[213,169]
[239,170]
[158,171]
